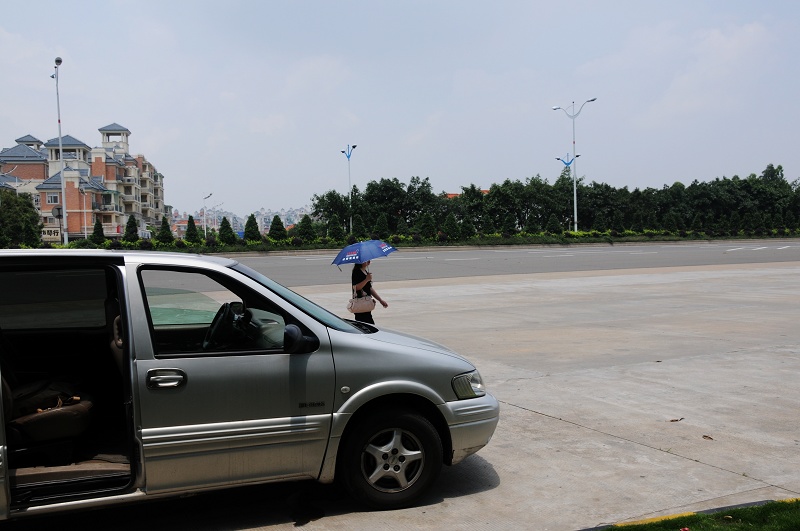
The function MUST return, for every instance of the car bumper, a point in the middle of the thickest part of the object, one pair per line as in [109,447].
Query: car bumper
[471,423]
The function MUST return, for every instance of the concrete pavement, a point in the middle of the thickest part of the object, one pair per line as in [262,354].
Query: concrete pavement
[625,394]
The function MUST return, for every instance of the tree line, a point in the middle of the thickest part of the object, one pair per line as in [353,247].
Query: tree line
[530,211]
[753,206]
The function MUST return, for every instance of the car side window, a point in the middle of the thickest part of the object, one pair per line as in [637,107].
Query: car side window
[53,298]
[193,313]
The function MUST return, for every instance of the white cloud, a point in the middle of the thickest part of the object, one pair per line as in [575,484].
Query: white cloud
[713,79]
[271,125]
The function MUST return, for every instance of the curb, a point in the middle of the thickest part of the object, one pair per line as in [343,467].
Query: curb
[681,515]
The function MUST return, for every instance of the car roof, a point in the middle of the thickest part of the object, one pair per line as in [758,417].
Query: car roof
[114,256]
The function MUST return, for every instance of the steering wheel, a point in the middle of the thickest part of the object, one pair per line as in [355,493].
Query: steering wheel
[220,327]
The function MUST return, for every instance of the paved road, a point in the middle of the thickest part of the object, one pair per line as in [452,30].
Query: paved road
[625,393]
[314,268]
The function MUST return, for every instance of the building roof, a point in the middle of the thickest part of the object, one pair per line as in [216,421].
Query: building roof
[93,183]
[54,182]
[66,141]
[22,153]
[5,179]
[85,182]
[112,158]
[452,195]
[28,139]
[114,128]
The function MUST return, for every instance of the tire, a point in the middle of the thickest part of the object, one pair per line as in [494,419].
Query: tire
[390,459]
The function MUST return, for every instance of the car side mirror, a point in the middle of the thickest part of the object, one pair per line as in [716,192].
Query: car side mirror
[294,342]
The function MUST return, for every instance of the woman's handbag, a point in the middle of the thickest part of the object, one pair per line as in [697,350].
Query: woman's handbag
[360,304]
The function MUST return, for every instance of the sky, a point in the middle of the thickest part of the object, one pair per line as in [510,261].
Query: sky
[253,101]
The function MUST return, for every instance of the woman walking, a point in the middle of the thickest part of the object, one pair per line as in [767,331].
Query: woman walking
[362,285]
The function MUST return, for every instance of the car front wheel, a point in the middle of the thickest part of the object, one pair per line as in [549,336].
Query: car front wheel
[390,459]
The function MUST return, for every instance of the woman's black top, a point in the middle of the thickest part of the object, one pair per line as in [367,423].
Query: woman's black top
[358,277]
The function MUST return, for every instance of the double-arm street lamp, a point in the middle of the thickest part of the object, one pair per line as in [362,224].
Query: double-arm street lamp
[347,152]
[569,162]
[572,117]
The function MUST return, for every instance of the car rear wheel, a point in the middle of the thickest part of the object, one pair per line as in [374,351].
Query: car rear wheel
[390,459]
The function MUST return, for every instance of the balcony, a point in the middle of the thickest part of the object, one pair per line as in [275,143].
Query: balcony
[111,230]
[100,207]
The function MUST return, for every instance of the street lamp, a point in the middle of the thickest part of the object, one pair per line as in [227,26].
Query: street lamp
[205,217]
[83,193]
[61,156]
[574,171]
[568,163]
[347,152]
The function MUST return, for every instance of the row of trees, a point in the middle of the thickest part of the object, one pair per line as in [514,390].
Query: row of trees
[725,206]
[20,226]
[754,205]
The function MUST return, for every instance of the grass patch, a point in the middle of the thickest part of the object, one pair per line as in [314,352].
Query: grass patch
[772,516]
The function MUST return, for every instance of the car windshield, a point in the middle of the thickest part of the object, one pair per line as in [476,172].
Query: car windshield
[317,312]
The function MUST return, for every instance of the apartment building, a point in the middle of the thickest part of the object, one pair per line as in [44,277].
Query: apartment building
[105,183]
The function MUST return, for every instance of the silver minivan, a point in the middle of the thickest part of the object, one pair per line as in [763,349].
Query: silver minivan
[137,375]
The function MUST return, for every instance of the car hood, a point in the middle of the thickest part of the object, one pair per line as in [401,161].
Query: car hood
[395,337]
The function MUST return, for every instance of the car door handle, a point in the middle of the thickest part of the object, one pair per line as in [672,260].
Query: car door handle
[165,378]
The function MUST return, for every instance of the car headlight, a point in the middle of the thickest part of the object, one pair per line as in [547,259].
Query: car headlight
[468,385]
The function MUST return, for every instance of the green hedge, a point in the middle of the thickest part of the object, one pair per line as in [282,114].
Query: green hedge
[398,240]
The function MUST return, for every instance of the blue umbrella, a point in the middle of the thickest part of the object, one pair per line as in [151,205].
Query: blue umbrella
[360,252]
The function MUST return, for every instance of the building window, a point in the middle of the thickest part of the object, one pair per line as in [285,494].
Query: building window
[53,199]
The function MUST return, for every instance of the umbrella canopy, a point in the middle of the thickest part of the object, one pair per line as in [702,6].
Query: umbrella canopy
[360,252]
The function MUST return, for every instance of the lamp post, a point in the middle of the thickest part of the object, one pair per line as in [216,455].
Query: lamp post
[568,162]
[61,156]
[574,171]
[347,152]
[205,217]
[83,193]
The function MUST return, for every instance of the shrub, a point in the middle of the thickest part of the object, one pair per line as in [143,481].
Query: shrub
[164,234]
[553,226]
[226,234]
[82,244]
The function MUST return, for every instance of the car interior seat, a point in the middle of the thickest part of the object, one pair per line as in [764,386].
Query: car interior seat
[42,417]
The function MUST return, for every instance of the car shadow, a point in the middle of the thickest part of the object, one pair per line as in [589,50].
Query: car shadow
[296,503]
[472,476]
